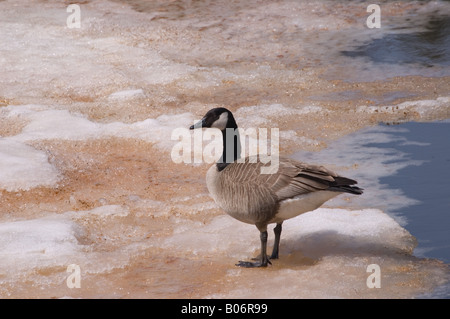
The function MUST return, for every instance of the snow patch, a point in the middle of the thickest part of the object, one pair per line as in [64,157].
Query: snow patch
[23,167]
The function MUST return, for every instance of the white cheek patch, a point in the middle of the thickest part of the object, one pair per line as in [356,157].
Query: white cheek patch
[221,122]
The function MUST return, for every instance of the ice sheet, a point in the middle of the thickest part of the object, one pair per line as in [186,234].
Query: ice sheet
[40,250]
[45,123]
[316,234]
[126,95]
[23,167]
[425,108]
[38,243]
[323,254]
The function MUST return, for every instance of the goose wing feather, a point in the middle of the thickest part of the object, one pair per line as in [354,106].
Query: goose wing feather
[292,179]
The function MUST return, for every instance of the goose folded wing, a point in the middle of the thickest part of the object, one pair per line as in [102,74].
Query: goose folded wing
[296,178]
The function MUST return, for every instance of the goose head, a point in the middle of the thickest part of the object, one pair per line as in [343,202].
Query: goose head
[223,119]
[220,118]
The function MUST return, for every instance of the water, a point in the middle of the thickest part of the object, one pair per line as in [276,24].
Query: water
[427,183]
[428,219]
[408,179]
[86,117]
[416,44]
[425,48]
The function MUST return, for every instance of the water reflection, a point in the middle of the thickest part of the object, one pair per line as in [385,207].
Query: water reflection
[427,48]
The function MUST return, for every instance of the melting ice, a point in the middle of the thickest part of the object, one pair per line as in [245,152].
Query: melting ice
[86,117]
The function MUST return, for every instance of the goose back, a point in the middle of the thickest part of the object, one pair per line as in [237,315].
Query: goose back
[249,196]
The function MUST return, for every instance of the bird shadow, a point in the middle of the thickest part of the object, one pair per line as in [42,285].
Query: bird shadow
[308,250]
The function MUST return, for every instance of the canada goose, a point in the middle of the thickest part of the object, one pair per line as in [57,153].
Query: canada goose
[240,189]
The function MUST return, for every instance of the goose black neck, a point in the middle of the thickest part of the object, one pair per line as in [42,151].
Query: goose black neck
[231,144]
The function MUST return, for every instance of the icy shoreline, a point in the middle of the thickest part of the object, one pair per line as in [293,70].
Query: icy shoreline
[86,117]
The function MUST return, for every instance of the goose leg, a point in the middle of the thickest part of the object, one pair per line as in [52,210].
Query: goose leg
[276,244]
[263,261]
